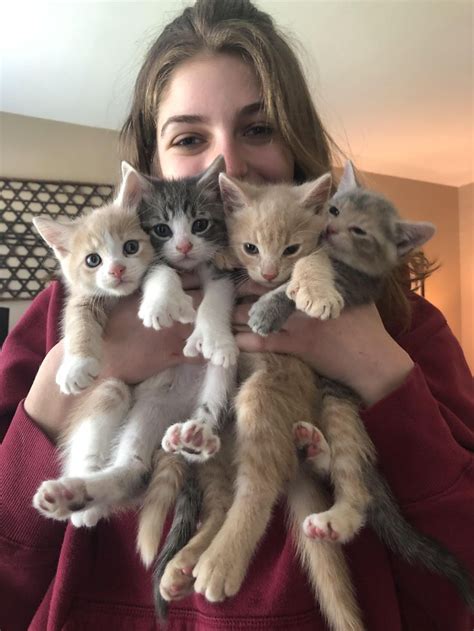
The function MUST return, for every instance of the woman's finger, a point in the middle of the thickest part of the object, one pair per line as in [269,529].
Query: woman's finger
[251,288]
[273,343]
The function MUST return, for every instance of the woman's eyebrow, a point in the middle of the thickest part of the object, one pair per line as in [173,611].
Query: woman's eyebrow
[183,118]
[251,108]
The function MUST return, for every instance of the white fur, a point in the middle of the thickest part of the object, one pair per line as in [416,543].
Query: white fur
[76,373]
[164,300]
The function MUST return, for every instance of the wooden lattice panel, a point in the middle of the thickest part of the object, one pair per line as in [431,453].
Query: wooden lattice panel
[26,263]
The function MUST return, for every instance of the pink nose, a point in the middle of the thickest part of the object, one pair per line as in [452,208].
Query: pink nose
[184,247]
[117,271]
[270,276]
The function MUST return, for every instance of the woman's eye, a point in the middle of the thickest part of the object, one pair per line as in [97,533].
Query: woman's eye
[200,225]
[259,131]
[162,230]
[131,247]
[334,211]
[358,231]
[291,249]
[93,260]
[250,248]
[188,142]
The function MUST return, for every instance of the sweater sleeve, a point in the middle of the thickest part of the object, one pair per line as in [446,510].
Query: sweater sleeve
[424,430]
[424,436]
[29,543]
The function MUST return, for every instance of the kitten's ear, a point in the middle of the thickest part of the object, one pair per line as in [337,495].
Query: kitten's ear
[133,187]
[348,180]
[57,234]
[208,182]
[412,234]
[233,193]
[315,194]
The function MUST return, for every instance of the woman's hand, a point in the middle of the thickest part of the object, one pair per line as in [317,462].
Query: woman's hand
[354,349]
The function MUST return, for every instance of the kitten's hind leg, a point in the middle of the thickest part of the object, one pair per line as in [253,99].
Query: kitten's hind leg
[127,477]
[310,441]
[197,439]
[167,478]
[351,450]
[217,484]
[86,446]
[325,563]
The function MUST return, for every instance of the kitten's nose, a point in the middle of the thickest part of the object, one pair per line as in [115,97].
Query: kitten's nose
[117,270]
[270,275]
[184,247]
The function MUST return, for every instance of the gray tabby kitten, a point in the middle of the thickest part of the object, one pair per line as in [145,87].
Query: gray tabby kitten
[364,239]
[111,438]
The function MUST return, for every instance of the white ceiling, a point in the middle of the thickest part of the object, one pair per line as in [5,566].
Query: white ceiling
[393,79]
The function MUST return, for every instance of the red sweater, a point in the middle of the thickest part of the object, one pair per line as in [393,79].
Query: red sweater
[54,576]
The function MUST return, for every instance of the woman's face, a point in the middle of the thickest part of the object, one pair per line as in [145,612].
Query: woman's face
[213,106]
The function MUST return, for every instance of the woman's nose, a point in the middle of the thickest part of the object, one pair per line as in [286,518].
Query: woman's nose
[235,161]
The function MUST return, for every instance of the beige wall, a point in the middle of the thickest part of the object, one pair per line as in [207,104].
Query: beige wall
[466,240]
[43,149]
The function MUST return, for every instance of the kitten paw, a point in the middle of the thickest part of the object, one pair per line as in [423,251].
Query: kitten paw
[218,574]
[88,518]
[77,373]
[270,313]
[194,440]
[59,498]
[220,350]
[162,311]
[321,302]
[311,441]
[338,525]
[178,580]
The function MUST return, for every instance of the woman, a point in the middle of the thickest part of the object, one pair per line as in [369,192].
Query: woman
[221,80]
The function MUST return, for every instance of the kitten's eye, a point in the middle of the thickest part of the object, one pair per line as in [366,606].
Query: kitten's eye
[250,248]
[358,231]
[200,225]
[334,211]
[131,247]
[291,249]
[93,260]
[162,230]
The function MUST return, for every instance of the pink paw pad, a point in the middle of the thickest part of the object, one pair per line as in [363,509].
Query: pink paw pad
[193,436]
[307,437]
[314,531]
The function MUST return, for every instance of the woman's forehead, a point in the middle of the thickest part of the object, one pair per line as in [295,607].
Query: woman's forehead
[209,88]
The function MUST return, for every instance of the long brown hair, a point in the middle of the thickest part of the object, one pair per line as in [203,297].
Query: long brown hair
[237,27]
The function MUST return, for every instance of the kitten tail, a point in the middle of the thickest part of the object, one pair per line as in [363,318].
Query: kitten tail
[184,525]
[415,548]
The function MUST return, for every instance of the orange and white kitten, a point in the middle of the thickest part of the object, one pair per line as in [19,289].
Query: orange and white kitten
[104,255]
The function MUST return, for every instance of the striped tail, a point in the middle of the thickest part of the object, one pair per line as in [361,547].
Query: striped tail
[415,548]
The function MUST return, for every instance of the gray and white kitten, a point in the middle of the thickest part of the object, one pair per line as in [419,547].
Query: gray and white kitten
[110,443]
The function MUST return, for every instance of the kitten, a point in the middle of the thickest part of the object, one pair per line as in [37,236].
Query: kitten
[276,392]
[111,438]
[104,255]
